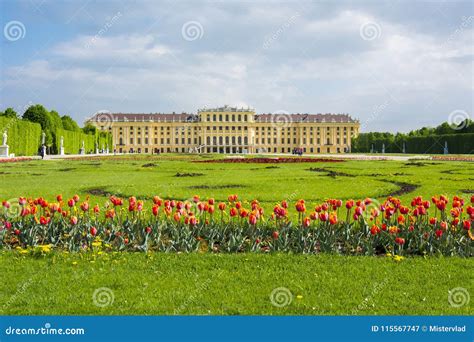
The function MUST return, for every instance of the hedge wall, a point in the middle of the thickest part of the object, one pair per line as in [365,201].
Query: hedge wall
[73,141]
[24,137]
[457,144]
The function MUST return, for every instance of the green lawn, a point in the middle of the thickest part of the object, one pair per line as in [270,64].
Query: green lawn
[236,283]
[268,183]
[232,284]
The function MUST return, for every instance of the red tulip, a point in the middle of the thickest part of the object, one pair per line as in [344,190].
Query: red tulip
[466,224]
[44,220]
[93,231]
[400,241]
[306,222]
[148,230]
[275,235]
[374,230]
[222,206]
[349,204]
[73,220]
[16,232]
[439,233]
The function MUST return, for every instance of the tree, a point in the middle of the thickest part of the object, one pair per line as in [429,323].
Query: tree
[39,114]
[9,113]
[56,120]
[89,129]
[69,123]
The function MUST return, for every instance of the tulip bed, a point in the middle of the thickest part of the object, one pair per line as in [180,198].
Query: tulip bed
[351,228]
[55,255]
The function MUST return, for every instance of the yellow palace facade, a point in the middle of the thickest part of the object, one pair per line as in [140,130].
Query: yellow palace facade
[228,130]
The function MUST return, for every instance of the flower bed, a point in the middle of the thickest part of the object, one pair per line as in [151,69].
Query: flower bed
[272,160]
[468,158]
[353,228]
[15,159]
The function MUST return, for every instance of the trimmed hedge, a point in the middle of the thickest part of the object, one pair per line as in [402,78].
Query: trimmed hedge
[24,137]
[434,144]
[73,141]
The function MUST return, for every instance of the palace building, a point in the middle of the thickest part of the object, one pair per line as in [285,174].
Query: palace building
[228,130]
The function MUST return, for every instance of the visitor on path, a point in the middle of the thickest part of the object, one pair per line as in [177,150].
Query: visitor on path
[43,151]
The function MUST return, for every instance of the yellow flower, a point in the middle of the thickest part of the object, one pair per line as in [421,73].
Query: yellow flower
[398,258]
[74,263]
[299,297]
[45,248]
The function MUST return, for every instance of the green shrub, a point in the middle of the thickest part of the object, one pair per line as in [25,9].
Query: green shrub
[24,137]
[433,144]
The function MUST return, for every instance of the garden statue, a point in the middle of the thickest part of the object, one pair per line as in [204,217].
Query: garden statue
[61,146]
[445,149]
[4,147]
[83,149]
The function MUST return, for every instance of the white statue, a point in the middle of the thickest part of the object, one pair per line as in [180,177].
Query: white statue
[83,144]
[62,142]
[43,138]
[5,136]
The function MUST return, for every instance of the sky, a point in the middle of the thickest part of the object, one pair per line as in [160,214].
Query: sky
[394,65]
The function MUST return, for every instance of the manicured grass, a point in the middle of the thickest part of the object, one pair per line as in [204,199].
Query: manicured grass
[269,183]
[232,284]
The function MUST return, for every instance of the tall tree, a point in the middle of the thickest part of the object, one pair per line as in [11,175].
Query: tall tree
[39,114]
[9,113]
[69,123]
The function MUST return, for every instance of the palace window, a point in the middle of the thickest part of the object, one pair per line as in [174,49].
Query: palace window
[220,117]
[131,140]
[239,117]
